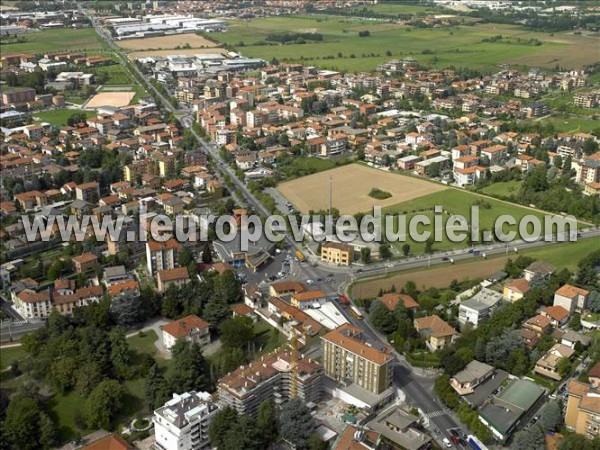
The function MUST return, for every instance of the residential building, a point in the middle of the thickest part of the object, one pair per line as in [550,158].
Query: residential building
[436,332]
[110,442]
[583,409]
[33,305]
[177,276]
[391,300]
[190,328]
[401,428]
[88,192]
[594,375]
[353,438]
[308,299]
[465,381]
[337,253]
[571,298]
[17,95]
[549,364]
[161,255]
[539,271]
[295,322]
[515,290]
[506,411]
[557,314]
[182,423]
[539,324]
[479,307]
[85,262]
[348,357]
[273,377]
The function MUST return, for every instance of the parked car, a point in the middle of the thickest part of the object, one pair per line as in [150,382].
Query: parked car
[447,443]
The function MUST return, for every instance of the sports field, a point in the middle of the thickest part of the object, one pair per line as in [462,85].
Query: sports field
[59,117]
[116,98]
[165,42]
[561,256]
[460,46]
[54,40]
[351,186]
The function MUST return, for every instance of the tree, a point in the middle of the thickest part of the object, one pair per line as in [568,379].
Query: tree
[62,373]
[190,369]
[429,245]
[21,423]
[216,310]
[499,348]
[575,322]
[119,351]
[47,430]
[237,332]
[88,376]
[316,443]
[551,417]
[530,439]
[406,249]
[242,434]
[155,388]
[220,424]
[266,423]
[563,366]
[297,424]
[381,318]
[126,308]
[103,404]
[185,257]
[385,251]
[365,255]
[207,254]
[593,303]
[590,146]
[572,441]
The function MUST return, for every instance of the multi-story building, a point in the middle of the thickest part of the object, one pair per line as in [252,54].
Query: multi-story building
[161,255]
[182,423]
[479,307]
[583,409]
[337,253]
[89,192]
[273,377]
[571,298]
[17,95]
[347,357]
[172,277]
[465,381]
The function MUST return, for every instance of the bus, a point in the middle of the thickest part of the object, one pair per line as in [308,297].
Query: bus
[300,256]
[356,313]
[475,443]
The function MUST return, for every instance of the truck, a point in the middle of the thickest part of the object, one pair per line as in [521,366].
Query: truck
[300,256]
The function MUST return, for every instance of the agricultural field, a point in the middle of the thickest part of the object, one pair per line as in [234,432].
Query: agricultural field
[351,186]
[564,255]
[190,40]
[59,117]
[394,9]
[343,49]
[84,39]
[183,51]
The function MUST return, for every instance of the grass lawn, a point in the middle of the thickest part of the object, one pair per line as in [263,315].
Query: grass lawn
[459,202]
[54,40]
[572,124]
[8,355]
[59,117]
[394,9]
[64,408]
[503,188]
[116,74]
[342,49]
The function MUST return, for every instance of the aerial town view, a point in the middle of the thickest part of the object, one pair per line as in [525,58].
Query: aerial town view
[300,224]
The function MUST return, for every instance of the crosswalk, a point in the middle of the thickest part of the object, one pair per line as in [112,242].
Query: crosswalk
[13,323]
[431,415]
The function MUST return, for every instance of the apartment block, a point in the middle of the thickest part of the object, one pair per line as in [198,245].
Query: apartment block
[337,253]
[583,409]
[347,357]
[271,377]
[161,255]
[182,423]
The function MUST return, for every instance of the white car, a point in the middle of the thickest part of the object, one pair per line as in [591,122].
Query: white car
[447,442]
[309,281]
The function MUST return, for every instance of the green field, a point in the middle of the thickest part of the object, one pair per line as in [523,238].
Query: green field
[394,9]
[59,117]
[460,46]
[571,124]
[458,202]
[59,39]
[8,355]
[503,188]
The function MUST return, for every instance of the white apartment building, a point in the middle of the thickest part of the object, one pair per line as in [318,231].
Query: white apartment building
[182,423]
[479,307]
[161,255]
